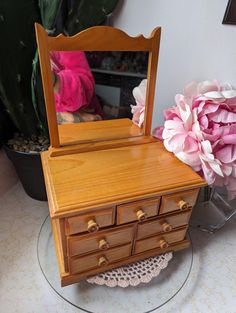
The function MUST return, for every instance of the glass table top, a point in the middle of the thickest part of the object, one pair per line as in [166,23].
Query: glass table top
[93,298]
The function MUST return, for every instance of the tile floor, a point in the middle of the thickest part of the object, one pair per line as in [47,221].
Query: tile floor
[211,286]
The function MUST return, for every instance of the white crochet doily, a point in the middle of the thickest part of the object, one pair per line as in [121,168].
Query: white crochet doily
[133,274]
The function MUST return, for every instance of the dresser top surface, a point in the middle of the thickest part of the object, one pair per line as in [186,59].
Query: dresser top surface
[99,178]
[101,130]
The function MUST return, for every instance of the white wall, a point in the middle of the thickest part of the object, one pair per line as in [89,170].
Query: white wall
[194,44]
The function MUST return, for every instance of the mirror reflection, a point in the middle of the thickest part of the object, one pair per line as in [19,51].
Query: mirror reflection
[95,86]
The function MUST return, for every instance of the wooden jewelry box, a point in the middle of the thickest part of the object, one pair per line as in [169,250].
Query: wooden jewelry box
[115,194]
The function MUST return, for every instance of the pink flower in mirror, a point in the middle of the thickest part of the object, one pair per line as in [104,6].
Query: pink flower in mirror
[138,110]
[201,131]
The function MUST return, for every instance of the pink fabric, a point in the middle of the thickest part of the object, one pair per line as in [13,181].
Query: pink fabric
[76,80]
[201,131]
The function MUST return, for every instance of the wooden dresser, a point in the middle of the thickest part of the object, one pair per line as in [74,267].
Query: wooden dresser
[113,207]
[115,194]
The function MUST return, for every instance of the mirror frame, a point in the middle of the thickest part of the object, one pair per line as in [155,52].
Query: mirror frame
[97,38]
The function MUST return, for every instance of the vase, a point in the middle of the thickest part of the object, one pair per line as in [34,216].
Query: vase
[213,209]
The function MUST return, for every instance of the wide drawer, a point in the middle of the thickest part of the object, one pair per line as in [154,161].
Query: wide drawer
[103,240]
[138,210]
[161,241]
[101,259]
[163,224]
[90,222]
[178,201]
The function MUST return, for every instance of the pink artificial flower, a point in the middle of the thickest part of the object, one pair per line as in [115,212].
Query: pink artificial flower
[201,131]
[195,89]
[138,110]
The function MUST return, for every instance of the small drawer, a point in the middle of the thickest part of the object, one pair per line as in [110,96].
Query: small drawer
[163,224]
[178,201]
[137,211]
[97,260]
[102,241]
[90,222]
[161,241]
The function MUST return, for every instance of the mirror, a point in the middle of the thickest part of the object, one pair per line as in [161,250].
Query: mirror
[88,82]
[96,86]
[93,86]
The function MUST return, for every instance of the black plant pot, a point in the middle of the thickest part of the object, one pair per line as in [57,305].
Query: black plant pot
[29,169]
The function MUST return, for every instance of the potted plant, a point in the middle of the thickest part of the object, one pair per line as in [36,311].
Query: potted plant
[20,82]
[7,128]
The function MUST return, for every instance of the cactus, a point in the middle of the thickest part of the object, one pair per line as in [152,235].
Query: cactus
[84,14]
[6,127]
[20,83]
[17,34]
[50,11]
[72,16]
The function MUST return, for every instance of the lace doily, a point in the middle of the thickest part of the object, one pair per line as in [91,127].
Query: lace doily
[133,274]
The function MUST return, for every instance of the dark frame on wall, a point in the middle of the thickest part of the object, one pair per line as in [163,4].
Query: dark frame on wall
[230,13]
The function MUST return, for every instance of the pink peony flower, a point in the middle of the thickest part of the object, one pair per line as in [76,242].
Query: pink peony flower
[138,110]
[201,131]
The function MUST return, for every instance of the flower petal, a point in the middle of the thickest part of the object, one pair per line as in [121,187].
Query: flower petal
[157,132]
[190,145]
[228,94]
[139,92]
[223,116]
[227,154]
[208,86]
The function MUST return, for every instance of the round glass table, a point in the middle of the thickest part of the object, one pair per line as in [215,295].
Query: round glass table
[93,298]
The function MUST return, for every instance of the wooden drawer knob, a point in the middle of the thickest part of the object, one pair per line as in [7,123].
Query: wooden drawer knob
[103,244]
[183,205]
[92,226]
[141,215]
[163,244]
[102,261]
[166,226]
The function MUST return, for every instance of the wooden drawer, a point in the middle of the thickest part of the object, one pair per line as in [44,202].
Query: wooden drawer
[97,260]
[103,240]
[138,210]
[90,222]
[163,224]
[178,201]
[160,241]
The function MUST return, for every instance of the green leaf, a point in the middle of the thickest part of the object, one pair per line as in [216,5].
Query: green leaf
[49,10]
[17,33]
[86,13]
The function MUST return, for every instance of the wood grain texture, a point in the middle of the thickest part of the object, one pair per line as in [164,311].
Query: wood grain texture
[47,80]
[82,244]
[97,131]
[79,223]
[100,145]
[85,263]
[79,182]
[128,212]
[102,38]
[59,252]
[154,242]
[151,80]
[170,203]
[98,38]
[60,226]
[67,279]
[155,226]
